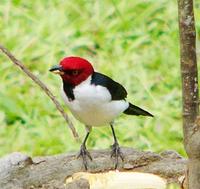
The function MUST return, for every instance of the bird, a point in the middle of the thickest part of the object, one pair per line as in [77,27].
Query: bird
[94,99]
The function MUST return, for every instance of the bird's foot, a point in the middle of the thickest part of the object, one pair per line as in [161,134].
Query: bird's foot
[116,153]
[84,154]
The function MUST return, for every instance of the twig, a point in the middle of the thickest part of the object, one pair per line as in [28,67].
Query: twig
[43,87]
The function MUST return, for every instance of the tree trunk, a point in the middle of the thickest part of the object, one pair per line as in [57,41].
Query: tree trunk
[191,121]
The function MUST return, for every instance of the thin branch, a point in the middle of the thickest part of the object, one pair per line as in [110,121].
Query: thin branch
[188,62]
[190,91]
[42,86]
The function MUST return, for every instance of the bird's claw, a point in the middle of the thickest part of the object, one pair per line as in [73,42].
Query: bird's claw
[84,154]
[116,152]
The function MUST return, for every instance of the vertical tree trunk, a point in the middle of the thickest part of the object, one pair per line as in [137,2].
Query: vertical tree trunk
[191,121]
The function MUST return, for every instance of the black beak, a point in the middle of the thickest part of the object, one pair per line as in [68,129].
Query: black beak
[57,70]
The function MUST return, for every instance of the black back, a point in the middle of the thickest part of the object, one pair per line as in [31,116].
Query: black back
[117,91]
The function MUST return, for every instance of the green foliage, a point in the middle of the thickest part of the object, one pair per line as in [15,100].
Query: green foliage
[135,42]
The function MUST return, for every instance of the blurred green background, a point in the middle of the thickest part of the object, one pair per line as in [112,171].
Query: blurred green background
[134,42]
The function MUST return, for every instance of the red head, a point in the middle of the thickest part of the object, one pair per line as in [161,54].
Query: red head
[73,70]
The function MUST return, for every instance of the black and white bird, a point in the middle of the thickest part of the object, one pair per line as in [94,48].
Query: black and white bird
[94,99]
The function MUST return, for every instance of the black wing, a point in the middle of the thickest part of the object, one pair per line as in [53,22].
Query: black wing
[117,91]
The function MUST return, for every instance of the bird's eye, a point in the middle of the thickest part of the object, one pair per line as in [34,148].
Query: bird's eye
[75,72]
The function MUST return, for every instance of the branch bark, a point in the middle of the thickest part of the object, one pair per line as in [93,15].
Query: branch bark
[42,86]
[20,171]
[191,121]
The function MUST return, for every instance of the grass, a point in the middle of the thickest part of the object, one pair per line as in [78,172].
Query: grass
[134,42]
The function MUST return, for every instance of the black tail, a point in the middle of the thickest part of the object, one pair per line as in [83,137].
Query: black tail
[134,110]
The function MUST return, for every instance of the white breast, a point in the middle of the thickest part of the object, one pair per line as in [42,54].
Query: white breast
[93,105]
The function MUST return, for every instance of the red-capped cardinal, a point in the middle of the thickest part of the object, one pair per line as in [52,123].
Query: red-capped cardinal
[94,99]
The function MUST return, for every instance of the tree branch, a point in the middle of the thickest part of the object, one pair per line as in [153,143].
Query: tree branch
[42,86]
[190,94]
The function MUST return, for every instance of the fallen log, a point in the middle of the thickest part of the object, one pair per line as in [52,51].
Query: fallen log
[18,170]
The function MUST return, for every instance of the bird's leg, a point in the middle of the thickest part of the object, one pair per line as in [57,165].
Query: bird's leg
[84,152]
[116,152]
